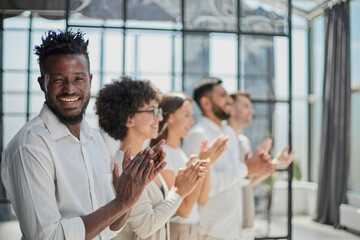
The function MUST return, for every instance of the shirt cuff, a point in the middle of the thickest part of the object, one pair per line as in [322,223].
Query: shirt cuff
[243,171]
[174,197]
[73,228]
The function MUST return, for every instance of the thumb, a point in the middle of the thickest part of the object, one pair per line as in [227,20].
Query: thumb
[115,174]
[246,157]
[204,145]
[127,158]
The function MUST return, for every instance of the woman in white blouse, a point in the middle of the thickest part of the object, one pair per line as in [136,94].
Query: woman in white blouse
[177,113]
[128,111]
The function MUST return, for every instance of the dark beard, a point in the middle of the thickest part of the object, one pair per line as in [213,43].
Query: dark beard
[69,120]
[219,112]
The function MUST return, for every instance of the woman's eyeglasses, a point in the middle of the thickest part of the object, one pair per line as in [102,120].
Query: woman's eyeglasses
[157,112]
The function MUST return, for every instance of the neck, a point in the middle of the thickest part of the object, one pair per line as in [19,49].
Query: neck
[172,140]
[74,129]
[237,126]
[136,144]
[213,118]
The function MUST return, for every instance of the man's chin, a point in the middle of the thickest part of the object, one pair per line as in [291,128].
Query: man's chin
[68,119]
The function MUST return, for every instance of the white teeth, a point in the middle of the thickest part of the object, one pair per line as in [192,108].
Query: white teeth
[68,99]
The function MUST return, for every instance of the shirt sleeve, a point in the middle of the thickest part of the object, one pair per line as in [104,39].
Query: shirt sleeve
[29,179]
[221,180]
[146,219]
[192,144]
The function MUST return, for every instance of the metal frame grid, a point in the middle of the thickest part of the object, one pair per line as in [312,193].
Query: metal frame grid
[183,31]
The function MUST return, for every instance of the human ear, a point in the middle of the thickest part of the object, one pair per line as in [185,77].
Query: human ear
[130,122]
[205,103]
[41,82]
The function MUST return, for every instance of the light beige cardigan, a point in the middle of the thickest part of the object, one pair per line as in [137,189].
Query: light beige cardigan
[150,213]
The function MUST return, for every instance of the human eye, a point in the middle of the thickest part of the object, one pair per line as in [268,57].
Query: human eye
[57,80]
[79,79]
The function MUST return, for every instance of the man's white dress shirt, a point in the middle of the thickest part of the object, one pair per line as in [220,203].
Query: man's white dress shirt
[52,178]
[221,217]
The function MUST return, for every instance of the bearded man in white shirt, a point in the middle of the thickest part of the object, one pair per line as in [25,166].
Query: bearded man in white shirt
[56,170]
[221,217]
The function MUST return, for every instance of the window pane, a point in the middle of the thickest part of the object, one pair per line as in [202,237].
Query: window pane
[93,9]
[95,84]
[256,16]
[94,48]
[36,102]
[154,53]
[355,42]
[110,77]
[270,120]
[15,81]
[196,62]
[36,36]
[223,54]
[299,64]
[15,49]
[318,55]
[34,84]
[14,103]
[47,24]
[264,66]
[354,177]
[12,125]
[315,131]
[300,134]
[113,43]
[162,82]
[22,22]
[154,14]
[211,15]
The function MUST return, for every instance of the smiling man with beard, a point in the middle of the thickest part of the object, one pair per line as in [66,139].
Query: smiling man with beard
[221,217]
[56,170]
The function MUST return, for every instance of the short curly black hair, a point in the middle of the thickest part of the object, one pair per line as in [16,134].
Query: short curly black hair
[120,100]
[64,42]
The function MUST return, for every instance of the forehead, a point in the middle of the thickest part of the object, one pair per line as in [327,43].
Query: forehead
[151,104]
[186,106]
[60,63]
[243,100]
[218,89]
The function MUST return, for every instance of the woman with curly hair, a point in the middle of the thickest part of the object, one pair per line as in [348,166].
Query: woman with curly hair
[175,126]
[128,111]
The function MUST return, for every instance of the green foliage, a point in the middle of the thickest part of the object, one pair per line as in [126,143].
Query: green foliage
[270,181]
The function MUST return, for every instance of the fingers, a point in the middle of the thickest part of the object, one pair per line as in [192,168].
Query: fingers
[159,169]
[191,159]
[146,170]
[159,157]
[142,157]
[286,149]
[158,146]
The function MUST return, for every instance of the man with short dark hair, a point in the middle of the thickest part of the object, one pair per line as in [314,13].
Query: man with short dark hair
[56,170]
[221,217]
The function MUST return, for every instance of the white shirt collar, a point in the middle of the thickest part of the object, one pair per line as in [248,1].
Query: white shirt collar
[58,130]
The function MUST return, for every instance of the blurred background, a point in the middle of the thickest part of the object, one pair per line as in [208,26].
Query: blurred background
[274,49]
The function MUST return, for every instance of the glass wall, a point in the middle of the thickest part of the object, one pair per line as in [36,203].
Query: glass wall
[245,43]
[354,177]
[315,98]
